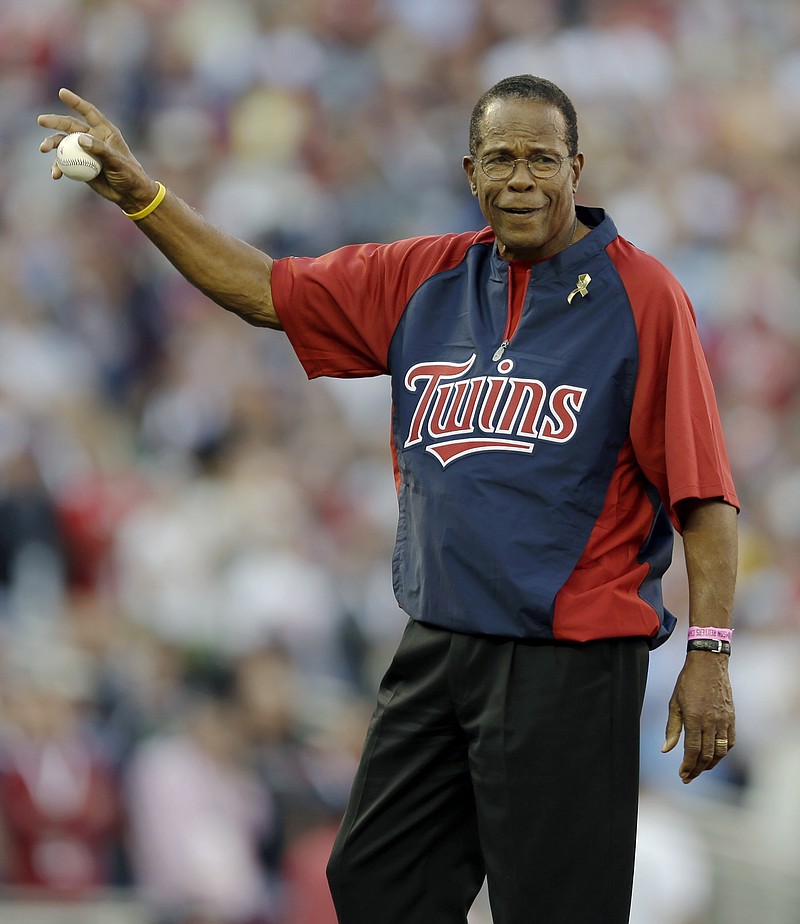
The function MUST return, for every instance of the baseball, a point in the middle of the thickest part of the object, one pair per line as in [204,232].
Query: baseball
[74,162]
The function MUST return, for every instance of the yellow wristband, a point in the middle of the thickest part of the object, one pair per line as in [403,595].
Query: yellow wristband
[159,198]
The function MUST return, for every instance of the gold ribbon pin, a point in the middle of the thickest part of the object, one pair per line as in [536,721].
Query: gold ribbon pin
[582,288]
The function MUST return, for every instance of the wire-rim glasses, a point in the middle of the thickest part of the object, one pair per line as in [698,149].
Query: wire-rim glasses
[543,166]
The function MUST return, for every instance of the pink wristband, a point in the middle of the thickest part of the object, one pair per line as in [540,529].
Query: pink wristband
[724,635]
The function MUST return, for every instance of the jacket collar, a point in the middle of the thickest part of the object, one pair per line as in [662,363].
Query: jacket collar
[602,232]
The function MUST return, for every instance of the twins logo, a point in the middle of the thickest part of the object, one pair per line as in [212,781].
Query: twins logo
[487,413]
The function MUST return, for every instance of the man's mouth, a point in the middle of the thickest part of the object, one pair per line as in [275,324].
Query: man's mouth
[519,211]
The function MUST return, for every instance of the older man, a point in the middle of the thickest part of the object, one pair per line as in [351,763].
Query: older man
[553,421]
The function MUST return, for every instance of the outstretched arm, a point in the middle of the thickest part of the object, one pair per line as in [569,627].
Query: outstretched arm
[702,703]
[230,272]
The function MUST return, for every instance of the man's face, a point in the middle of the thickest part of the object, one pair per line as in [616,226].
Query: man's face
[531,218]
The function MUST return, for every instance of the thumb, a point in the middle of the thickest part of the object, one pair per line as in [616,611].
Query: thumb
[673,733]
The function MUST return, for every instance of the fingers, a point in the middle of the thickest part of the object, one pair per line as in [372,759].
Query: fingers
[65,123]
[674,727]
[704,746]
[122,179]
[88,110]
[62,125]
[703,750]
[695,758]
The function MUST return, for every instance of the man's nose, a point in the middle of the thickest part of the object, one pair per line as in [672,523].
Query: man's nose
[521,178]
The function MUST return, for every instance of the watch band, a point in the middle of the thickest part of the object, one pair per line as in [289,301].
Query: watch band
[715,645]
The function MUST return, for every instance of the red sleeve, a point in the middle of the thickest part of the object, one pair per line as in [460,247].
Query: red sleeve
[675,426]
[341,310]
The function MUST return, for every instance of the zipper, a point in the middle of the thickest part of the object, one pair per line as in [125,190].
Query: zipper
[512,322]
[498,353]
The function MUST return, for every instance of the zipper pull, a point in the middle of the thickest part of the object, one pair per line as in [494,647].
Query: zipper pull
[498,353]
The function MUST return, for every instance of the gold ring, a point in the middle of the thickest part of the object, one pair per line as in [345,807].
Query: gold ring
[721,742]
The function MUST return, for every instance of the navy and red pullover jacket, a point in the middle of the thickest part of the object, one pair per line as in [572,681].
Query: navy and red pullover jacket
[539,459]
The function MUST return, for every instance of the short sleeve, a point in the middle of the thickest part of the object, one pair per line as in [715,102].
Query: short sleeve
[340,310]
[675,429]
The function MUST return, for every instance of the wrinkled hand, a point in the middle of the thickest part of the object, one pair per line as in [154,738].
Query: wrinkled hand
[122,180]
[701,704]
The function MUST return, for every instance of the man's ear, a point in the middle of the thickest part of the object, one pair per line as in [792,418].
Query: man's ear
[577,170]
[469,168]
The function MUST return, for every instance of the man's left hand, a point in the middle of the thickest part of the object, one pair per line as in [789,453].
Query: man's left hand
[702,705]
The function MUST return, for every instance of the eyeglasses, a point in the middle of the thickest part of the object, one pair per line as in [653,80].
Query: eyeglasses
[502,166]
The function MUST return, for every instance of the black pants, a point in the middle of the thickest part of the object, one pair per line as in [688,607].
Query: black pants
[514,760]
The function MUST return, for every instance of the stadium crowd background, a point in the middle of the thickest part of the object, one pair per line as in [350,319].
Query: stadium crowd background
[195,597]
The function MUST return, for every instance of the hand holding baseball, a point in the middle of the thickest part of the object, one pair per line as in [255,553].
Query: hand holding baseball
[73,161]
[121,179]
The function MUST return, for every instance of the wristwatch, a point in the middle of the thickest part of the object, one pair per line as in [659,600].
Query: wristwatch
[709,644]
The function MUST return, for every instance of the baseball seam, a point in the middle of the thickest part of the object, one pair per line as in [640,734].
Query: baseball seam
[75,162]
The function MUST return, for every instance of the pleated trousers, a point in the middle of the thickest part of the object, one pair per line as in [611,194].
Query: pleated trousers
[490,757]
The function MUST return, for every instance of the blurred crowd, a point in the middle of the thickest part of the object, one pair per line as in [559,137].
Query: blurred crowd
[195,543]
